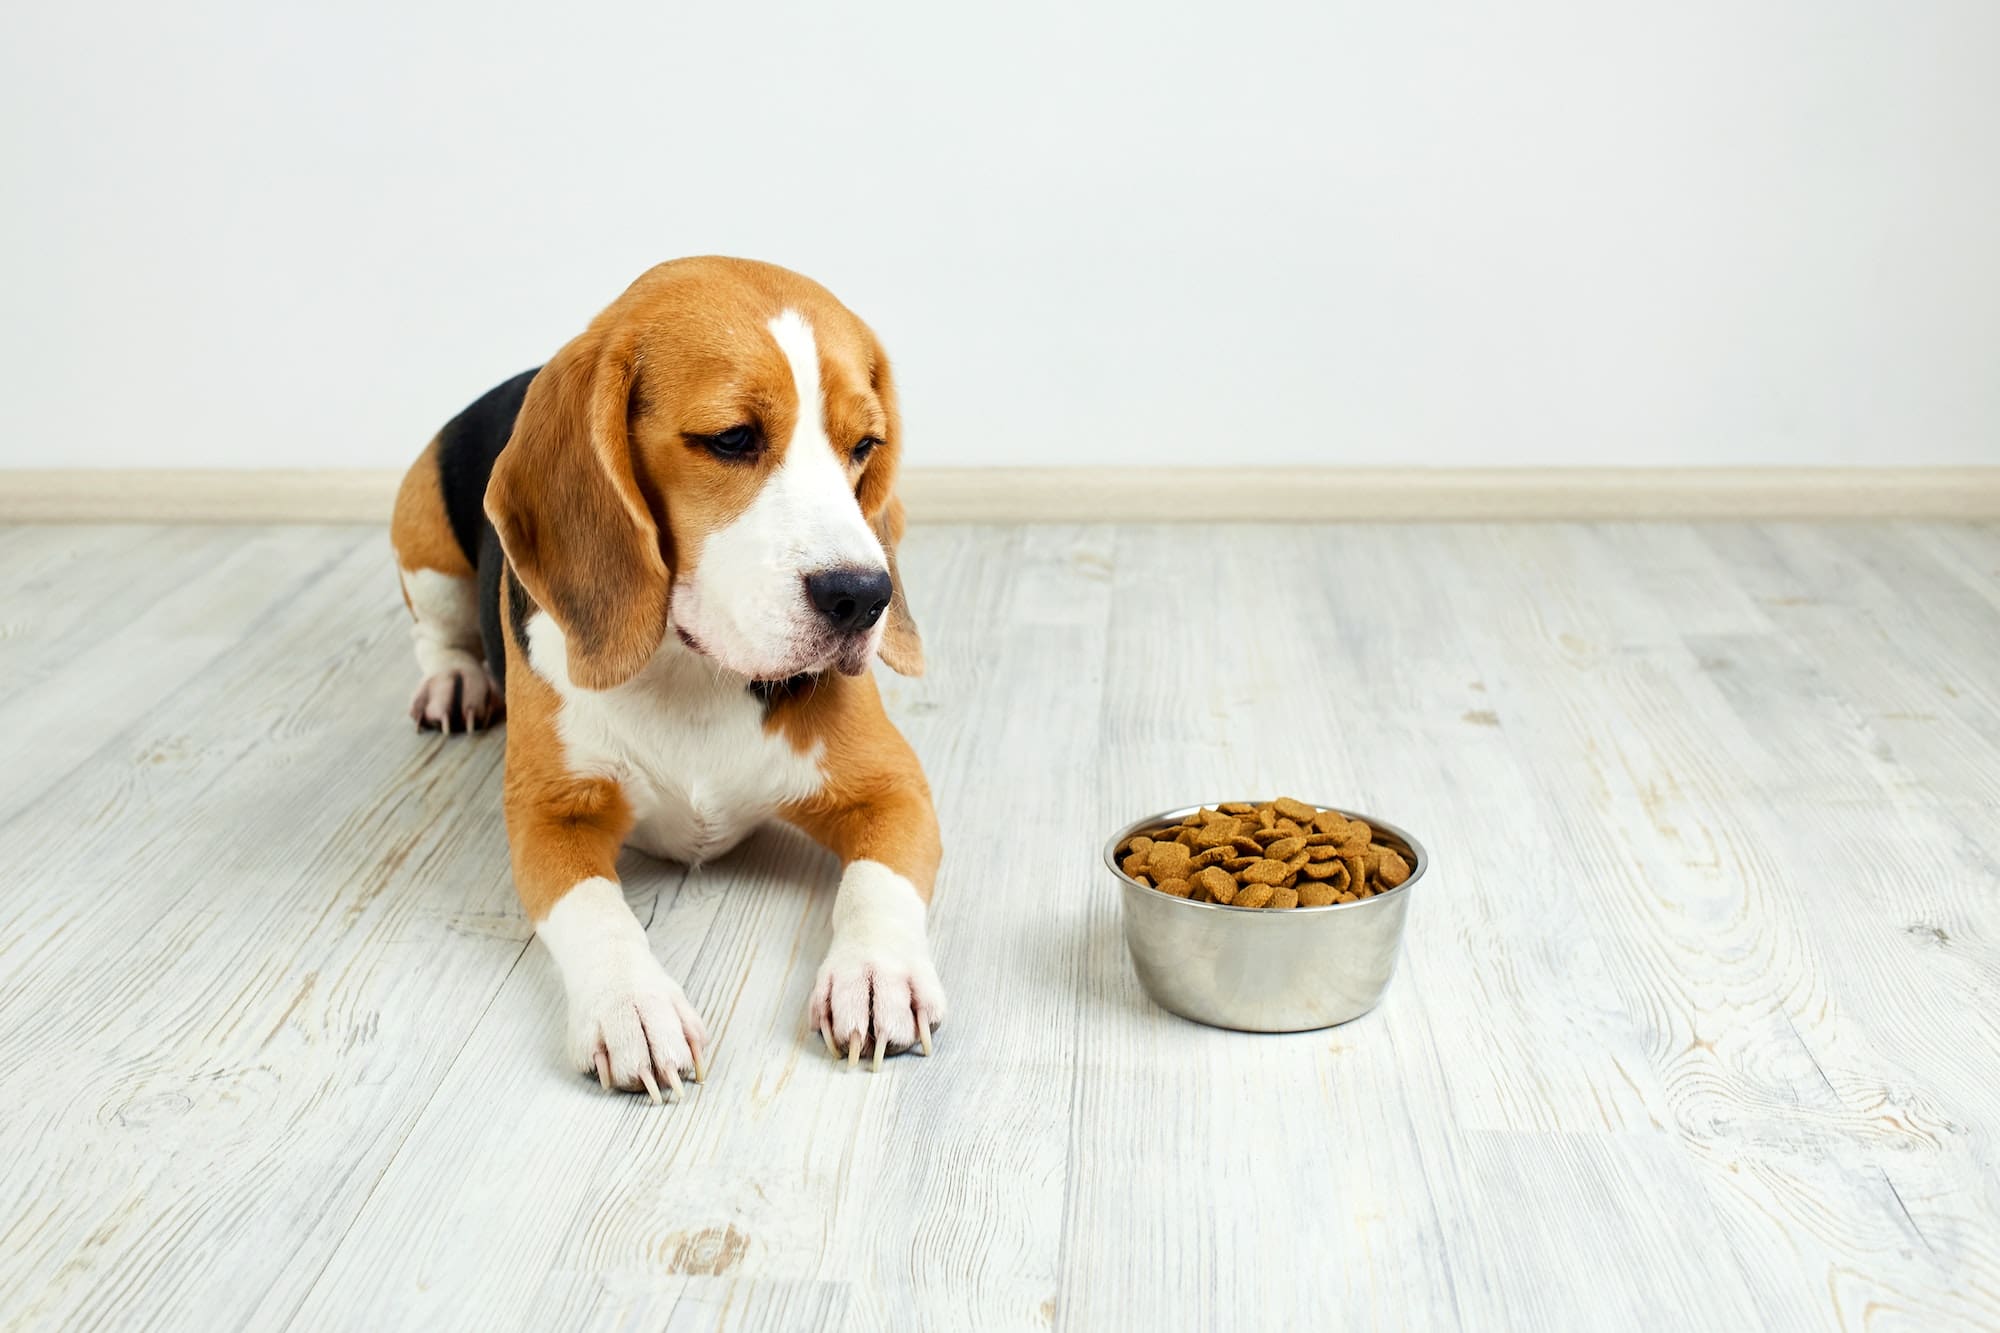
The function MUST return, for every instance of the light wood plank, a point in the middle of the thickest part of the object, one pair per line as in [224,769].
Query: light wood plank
[1715,927]
[1907,938]
[1690,1030]
[244,941]
[102,657]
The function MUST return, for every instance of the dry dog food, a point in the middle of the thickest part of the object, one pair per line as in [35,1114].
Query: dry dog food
[1283,853]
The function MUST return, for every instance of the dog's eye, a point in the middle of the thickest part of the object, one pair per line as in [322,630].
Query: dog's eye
[736,442]
[867,446]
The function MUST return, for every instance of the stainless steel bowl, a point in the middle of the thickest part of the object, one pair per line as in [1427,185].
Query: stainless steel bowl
[1262,971]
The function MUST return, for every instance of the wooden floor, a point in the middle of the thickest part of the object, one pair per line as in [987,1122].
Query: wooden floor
[1697,1026]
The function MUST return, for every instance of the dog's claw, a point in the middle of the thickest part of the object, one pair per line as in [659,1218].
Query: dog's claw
[854,1052]
[674,1082]
[458,700]
[826,1034]
[881,1043]
[603,1063]
[652,1087]
[924,1032]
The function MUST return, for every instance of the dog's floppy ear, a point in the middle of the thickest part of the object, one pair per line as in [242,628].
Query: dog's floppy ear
[572,518]
[902,650]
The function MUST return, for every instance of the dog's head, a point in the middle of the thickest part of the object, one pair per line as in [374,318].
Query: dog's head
[715,457]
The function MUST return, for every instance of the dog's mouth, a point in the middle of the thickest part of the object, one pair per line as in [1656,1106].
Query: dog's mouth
[852,656]
[848,654]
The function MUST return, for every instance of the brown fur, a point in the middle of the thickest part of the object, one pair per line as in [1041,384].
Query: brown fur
[419,529]
[571,516]
[902,651]
[561,827]
[875,804]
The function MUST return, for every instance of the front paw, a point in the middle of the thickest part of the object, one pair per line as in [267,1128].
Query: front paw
[880,994]
[636,1030]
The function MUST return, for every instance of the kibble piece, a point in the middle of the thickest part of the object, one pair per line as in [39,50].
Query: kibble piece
[1292,809]
[1297,861]
[1314,894]
[1264,837]
[1141,843]
[1265,872]
[1216,882]
[1219,834]
[1329,821]
[1236,864]
[1255,895]
[1178,888]
[1284,849]
[1285,898]
[1237,808]
[1322,853]
[1323,870]
[1266,817]
[1359,832]
[1213,856]
[1169,860]
[1247,845]
[1357,872]
[1390,867]
[1289,828]
[1136,862]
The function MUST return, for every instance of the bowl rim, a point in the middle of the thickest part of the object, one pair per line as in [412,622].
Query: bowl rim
[1423,861]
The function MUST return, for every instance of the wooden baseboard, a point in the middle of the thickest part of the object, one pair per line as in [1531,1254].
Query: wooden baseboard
[1084,495]
[198,496]
[1323,495]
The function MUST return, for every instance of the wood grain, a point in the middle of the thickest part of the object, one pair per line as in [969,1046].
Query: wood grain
[1695,1024]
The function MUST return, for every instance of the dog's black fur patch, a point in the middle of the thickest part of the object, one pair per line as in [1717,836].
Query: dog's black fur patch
[520,605]
[771,693]
[467,448]
[492,567]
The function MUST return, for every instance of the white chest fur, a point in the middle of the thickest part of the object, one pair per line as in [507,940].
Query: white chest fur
[684,741]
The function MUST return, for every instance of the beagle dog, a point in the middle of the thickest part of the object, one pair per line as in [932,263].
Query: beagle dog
[668,558]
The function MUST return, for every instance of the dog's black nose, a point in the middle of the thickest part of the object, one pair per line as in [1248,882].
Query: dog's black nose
[851,598]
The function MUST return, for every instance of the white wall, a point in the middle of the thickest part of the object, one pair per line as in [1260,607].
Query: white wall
[1566,231]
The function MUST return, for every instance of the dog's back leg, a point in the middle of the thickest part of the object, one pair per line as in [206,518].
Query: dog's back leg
[457,692]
